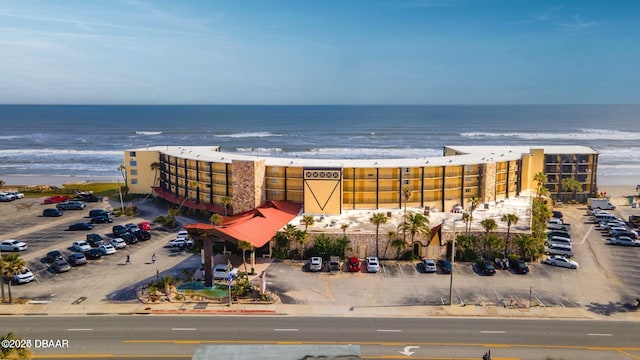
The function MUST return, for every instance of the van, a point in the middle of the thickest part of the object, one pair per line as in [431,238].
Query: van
[51,212]
[558,249]
[602,217]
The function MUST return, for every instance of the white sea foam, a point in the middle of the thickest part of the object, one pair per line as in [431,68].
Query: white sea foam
[11,137]
[582,134]
[148,133]
[53,152]
[366,153]
[260,150]
[247,135]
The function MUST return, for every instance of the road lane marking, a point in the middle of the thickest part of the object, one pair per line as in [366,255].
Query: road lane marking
[285,330]
[79,329]
[184,329]
[388,330]
[491,332]
[600,334]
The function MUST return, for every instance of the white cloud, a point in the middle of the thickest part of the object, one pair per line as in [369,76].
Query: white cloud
[577,25]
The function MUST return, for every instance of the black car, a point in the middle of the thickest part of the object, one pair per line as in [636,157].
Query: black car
[98,212]
[444,265]
[77,259]
[118,230]
[485,267]
[70,205]
[518,266]
[142,235]
[559,233]
[93,254]
[129,238]
[87,198]
[80,226]
[101,219]
[95,240]
[557,214]
[53,256]
[52,212]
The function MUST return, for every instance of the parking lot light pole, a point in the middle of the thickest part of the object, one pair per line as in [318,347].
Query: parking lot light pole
[453,257]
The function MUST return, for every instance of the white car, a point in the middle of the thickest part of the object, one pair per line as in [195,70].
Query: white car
[107,249]
[118,243]
[429,265]
[222,271]
[183,234]
[12,245]
[81,246]
[373,265]
[624,241]
[315,264]
[23,276]
[6,196]
[16,194]
[561,261]
[180,242]
[131,227]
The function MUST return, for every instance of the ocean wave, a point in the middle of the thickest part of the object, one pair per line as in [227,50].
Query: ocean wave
[582,134]
[53,152]
[148,133]
[260,150]
[247,135]
[11,137]
[366,153]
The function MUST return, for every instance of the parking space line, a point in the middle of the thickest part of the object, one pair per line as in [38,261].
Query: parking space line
[79,329]
[491,332]
[600,334]
[184,329]
[389,330]
[285,330]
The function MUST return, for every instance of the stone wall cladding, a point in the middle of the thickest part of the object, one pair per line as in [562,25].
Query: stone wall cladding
[248,185]
[489,183]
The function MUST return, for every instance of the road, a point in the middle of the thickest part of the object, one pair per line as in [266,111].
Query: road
[154,337]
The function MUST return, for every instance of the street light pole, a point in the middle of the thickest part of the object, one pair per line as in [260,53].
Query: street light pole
[453,257]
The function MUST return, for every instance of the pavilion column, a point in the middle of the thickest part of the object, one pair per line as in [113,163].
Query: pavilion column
[253,261]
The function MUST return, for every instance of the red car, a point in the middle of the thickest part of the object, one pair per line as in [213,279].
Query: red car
[57,199]
[144,226]
[354,264]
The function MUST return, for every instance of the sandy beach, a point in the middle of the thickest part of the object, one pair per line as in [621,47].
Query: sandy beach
[12,181]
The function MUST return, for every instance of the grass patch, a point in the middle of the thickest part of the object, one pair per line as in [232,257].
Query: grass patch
[99,189]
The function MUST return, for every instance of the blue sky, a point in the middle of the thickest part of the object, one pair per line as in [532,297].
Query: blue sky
[319,52]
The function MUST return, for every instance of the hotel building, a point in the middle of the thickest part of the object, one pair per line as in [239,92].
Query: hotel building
[205,178]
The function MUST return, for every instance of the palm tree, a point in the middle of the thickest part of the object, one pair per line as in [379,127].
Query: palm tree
[344,228]
[466,244]
[289,233]
[528,246]
[399,244]
[392,235]
[510,219]
[572,186]
[1,184]
[466,217]
[540,178]
[474,202]
[215,219]
[307,221]
[171,216]
[190,184]
[11,264]
[378,219]
[7,352]
[155,167]
[244,246]
[2,279]
[166,284]
[226,202]
[489,225]
[406,194]
[416,223]
[490,243]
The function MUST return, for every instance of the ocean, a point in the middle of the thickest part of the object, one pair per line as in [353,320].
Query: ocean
[61,140]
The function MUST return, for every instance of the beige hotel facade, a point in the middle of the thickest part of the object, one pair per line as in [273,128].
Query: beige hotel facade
[204,177]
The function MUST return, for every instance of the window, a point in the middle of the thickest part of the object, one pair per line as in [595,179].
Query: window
[132,153]
[133,163]
[405,182]
[134,172]
[134,181]
[406,170]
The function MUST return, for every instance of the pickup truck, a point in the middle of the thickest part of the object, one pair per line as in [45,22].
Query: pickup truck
[557,224]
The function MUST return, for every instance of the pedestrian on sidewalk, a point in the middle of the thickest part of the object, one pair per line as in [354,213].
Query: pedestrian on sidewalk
[128,259]
[153,258]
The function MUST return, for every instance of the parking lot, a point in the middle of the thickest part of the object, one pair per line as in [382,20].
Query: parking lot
[608,277]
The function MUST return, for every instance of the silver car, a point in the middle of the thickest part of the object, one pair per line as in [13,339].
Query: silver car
[315,264]
[561,261]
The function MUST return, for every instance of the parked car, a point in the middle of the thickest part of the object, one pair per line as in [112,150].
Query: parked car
[107,249]
[561,233]
[95,240]
[101,220]
[131,227]
[485,267]
[354,264]
[180,243]
[222,271]
[144,226]
[81,246]
[558,249]
[557,224]
[56,199]
[118,243]
[518,266]
[60,265]
[429,265]
[373,265]
[624,241]
[315,264]
[183,233]
[87,196]
[558,240]
[561,261]
[444,265]
[6,197]
[70,205]
[16,194]
[98,212]
[12,245]
[334,263]
[23,277]
[118,230]
[80,226]
[142,235]
[53,256]
[77,259]
[627,233]
[51,212]
[93,254]
[129,238]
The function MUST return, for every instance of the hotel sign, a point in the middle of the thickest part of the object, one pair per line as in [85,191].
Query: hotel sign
[322,174]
